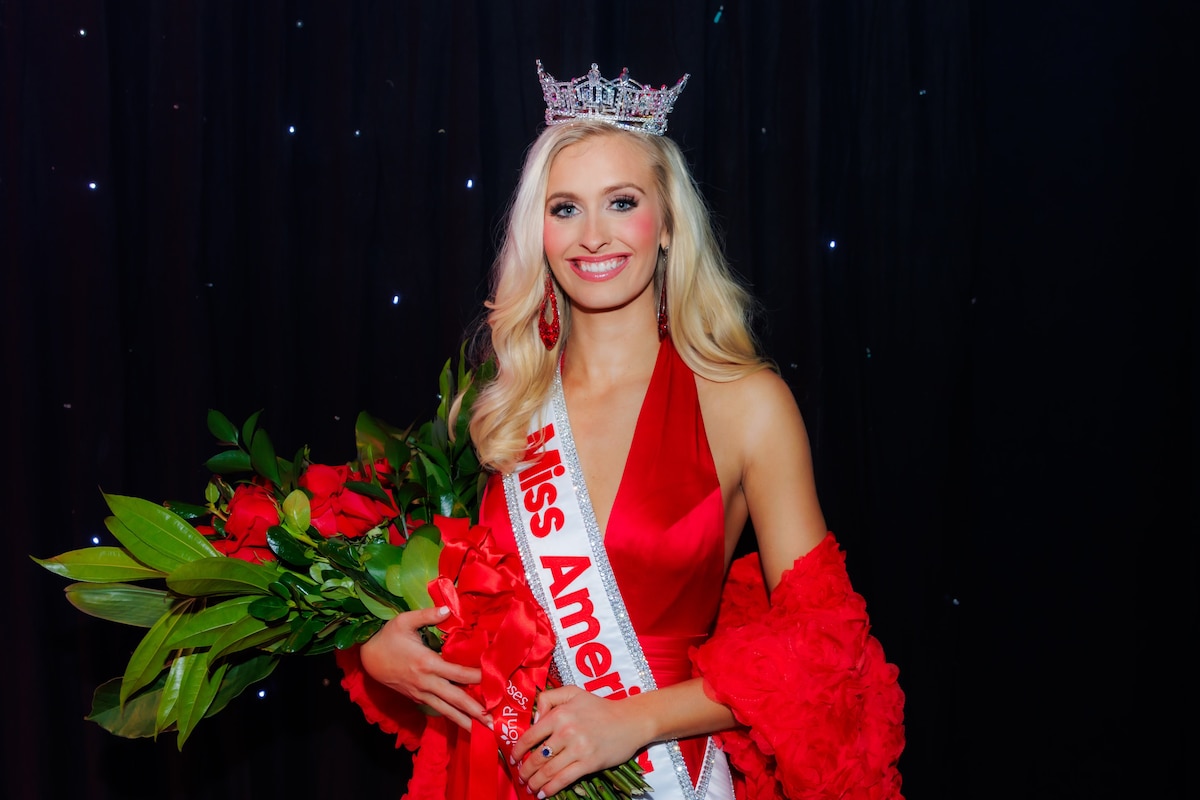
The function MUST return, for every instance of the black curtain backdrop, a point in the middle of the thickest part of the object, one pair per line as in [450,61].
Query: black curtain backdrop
[972,226]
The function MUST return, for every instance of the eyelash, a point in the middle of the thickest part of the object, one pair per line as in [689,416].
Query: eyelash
[557,209]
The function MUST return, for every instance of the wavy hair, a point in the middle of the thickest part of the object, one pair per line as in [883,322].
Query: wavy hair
[709,310]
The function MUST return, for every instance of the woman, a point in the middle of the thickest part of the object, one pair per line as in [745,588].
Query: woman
[632,431]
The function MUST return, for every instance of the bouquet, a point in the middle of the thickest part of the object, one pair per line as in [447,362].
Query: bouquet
[295,557]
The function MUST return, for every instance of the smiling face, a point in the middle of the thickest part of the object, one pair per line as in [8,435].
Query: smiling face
[604,224]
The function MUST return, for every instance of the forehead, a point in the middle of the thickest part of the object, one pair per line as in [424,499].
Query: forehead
[604,160]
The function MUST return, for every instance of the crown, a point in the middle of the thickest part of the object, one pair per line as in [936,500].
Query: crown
[623,102]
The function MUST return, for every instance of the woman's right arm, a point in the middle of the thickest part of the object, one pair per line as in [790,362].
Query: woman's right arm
[398,658]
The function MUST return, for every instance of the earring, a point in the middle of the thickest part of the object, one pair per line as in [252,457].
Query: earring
[664,325]
[548,329]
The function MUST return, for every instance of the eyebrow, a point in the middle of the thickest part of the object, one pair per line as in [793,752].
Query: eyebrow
[607,190]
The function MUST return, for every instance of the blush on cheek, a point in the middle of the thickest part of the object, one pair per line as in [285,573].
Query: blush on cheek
[643,228]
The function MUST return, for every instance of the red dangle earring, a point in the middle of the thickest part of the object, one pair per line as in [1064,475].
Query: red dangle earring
[548,329]
[664,324]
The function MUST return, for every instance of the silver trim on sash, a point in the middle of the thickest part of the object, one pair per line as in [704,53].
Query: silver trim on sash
[512,494]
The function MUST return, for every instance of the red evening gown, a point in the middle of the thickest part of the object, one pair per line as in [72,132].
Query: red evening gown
[665,543]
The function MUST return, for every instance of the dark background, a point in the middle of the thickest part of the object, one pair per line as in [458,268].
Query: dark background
[997,361]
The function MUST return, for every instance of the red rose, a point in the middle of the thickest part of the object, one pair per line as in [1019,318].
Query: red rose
[230,546]
[252,511]
[337,509]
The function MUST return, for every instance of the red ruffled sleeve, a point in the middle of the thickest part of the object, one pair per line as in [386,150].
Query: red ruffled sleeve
[820,711]
[381,705]
[395,713]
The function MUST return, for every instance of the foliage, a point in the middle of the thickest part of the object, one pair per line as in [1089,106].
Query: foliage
[282,558]
[227,588]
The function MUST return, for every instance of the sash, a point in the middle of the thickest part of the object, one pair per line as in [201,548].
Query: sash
[568,571]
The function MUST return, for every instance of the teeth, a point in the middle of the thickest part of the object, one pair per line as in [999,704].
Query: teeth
[599,266]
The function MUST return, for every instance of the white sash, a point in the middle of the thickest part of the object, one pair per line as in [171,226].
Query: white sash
[568,570]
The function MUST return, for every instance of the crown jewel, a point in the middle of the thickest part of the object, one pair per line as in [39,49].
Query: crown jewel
[623,102]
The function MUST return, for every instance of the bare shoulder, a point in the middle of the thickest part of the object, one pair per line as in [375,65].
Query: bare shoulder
[754,404]
[760,444]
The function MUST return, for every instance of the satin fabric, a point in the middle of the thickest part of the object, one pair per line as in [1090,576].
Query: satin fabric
[666,532]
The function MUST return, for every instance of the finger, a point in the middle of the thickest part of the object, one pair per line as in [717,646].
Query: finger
[551,698]
[465,703]
[421,618]
[555,774]
[457,672]
[531,740]
[445,709]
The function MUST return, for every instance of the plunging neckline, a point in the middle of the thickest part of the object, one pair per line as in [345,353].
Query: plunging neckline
[622,488]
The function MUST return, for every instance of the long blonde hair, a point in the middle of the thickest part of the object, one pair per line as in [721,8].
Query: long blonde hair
[709,310]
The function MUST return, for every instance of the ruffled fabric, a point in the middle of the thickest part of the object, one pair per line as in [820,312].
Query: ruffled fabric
[396,714]
[820,711]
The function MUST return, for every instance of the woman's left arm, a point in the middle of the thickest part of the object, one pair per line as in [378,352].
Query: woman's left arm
[776,472]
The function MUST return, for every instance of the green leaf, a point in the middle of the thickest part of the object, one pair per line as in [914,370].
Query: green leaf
[222,575]
[99,565]
[220,427]
[165,715]
[372,490]
[269,608]
[445,391]
[240,675]
[249,425]
[304,628]
[187,511]
[135,719]
[155,536]
[287,547]
[397,454]
[262,457]
[378,557]
[229,462]
[196,693]
[120,602]
[406,493]
[375,606]
[410,579]
[347,635]
[149,657]
[437,465]
[246,634]
[296,586]
[297,510]
[203,627]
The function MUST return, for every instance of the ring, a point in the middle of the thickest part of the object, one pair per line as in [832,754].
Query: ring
[547,751]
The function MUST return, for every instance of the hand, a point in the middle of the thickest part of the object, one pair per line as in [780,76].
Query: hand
[586,734]
[397,657]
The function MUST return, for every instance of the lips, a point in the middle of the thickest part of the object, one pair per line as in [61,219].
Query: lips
[599,269]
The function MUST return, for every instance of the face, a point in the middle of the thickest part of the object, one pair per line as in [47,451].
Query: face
[604,225]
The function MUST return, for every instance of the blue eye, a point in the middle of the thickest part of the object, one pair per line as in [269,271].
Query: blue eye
[624,203]
[563,210]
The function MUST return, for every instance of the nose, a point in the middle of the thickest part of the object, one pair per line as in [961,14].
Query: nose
[594,235]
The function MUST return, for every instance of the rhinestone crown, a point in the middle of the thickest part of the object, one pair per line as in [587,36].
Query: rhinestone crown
[623,102]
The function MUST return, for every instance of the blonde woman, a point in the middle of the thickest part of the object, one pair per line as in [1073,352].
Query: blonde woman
[632,431]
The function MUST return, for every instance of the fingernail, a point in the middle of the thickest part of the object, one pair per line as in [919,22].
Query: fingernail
[443,611]
[541,796]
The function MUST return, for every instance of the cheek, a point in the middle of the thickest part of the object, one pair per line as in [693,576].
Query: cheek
[553,239]
[643,230]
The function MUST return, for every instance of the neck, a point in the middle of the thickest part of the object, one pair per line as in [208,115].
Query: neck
[608,348]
